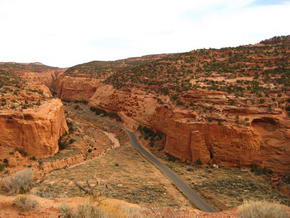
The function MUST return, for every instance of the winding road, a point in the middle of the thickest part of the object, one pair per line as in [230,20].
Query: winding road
[188,192]
[191,195]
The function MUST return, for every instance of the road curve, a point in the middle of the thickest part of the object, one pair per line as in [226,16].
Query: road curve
[188,192]
[192,196]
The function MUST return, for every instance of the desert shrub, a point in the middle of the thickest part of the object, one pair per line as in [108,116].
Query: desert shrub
[102,112]
[93,109]
[150,134]
[198,162]
[77,107]
[66,212]
[171,157]
[33,158]
[259,170]
[85,210]
[2,167]
[20,182]
[80,101]
[25,203]
[259,209]
[71,126]
[5,162]
[62,143]
[286,178]
[261,101]
[164,91]
[71,140]
[114,116]
[21,151]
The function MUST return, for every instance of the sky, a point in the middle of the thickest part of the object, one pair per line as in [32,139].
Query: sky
[64,33]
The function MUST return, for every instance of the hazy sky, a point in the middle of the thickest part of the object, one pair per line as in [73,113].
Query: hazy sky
[68,32]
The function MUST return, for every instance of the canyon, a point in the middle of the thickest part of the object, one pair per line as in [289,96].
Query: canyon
[226,107]
[221,111]
[30,119]
[35,132]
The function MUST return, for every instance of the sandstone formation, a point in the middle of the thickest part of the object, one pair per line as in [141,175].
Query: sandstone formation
[31,121]
[76,88]
[34,73]
[34,131]
[226,106]
[262,143]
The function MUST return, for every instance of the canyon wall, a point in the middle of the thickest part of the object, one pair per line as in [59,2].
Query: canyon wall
[265,143]
[75,88]
[225,106]
[35,131]
[226,144]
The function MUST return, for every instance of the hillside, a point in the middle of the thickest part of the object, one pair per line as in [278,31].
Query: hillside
[22,67]
[16,94]
[31,120]
[33,73]
[218,118]
[206,102]
[249,75]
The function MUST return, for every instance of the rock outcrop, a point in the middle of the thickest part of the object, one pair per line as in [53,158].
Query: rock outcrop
[35,131]
[30,119]
[208,142]
[224,106]
[224,144]
[76,88]
[34,73]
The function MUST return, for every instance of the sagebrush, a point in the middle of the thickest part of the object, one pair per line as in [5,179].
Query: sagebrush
[262,209]
[85,210]
[25,203]
[20,182]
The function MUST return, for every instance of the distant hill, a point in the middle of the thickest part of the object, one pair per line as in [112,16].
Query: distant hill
[33,67]
[244,70]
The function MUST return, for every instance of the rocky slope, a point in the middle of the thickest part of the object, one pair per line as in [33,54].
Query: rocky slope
[35,131]
[34,73]
[31,121]
[107,207]
[225,106]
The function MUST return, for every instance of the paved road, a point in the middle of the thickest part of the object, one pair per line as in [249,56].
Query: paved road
[191,195]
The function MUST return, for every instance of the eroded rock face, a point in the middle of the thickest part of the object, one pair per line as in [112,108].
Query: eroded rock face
[76,88]
[224,144]
[33,73]
[35,131]
[264,142]
[224,106]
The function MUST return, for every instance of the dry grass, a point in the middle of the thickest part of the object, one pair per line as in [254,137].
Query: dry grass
[166,212]
[25,203]
[91,210]
[20,182]
[262,209]
[118,209]
[85,210]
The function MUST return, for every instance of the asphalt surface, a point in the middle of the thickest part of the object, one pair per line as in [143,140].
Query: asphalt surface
[191,195]
[188,192]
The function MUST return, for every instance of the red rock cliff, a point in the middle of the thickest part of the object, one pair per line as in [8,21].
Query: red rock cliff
[226,106]
[35,131]
[265,142]
[75,88]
